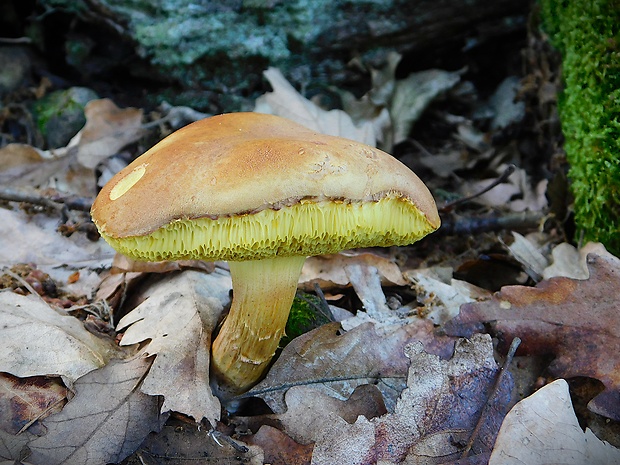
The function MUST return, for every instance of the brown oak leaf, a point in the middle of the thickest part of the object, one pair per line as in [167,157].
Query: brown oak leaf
[576,321]
[279,448]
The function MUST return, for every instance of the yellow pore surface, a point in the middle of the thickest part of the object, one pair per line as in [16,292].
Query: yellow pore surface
[306,228]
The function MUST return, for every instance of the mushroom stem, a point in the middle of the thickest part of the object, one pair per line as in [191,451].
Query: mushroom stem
[263,294]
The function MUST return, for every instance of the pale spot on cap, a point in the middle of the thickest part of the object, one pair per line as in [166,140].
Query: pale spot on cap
[127,182]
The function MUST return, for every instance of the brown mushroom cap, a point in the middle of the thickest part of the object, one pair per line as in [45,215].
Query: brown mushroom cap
[249,186]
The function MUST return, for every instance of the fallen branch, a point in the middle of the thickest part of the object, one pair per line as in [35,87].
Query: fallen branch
[522,221]
[48,199]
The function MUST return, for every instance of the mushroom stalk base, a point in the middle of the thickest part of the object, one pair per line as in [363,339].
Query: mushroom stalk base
[263,292]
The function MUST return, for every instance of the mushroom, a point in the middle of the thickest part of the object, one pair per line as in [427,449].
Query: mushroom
[263,193]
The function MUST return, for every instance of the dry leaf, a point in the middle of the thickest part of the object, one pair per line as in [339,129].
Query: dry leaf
[373,106]
[13,448]
[506,107]
[543,429]
[18,162]
[16,155]
[69,169]
[367,285]
[434,416]
[37,340]
[569,262]
[393,106]
[179,116]
[450,160]
[23,401]
[34,239]
[442,300]
[337,364]
[575,320]
[329,271]
[528,254]
[108,129]
[516,193]
[412,96]
[105,422]
[183,443]
[178,316]
[279,448]
[309,411]
[285,101]
[123,264]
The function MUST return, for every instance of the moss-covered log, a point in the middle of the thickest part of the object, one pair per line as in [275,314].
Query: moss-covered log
[587,33]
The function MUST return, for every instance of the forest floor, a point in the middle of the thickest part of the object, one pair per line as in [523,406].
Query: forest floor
[495,337]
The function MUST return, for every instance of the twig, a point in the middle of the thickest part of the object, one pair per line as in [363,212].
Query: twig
[309,382]
[472,225]
[504,176]
[41,415]
[12,194]
[421,147]
[496,387]
[216,436]
[324,304]
[36,197]
[24,283]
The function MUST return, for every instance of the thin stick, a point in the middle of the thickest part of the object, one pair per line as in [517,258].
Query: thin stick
[496,387]
[324,304]
[24,283]
[216,436]
[474,225]
[55,200]
[505,175]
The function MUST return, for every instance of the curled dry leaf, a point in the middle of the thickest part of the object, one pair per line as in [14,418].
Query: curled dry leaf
[177,318]
[337,364]
[105,422]
[434,417]
[570,262]
[577,321]
[285,101]
[413,95]
[543,429]
[393,105]
[528,254]
[37,340]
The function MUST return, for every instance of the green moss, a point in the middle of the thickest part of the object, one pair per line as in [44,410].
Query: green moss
[587,33]
[60,114]
[307,312]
